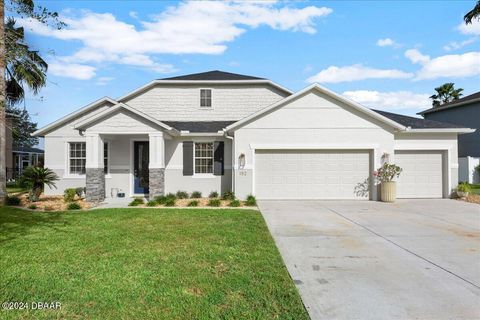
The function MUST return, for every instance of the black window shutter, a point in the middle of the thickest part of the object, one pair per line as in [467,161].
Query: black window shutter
[188,158]
[218,156]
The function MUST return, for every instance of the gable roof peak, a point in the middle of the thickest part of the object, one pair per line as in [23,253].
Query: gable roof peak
[214,75]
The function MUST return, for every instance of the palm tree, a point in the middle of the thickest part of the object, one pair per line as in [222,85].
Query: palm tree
[445,93]
[35,178]
[473,14]
[23,66]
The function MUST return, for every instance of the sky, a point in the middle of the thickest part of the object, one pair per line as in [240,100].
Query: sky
[386,55]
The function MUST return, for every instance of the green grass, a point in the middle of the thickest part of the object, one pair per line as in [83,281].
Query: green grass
[144,264]
[475,188]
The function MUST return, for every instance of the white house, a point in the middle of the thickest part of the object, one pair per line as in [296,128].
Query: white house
[219,131]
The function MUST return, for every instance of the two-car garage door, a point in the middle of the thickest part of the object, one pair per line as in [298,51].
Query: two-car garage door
[312,174]
[342,174]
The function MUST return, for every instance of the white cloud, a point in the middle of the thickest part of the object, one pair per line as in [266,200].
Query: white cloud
[470,29]
[451,66]
[394,100]
[454,45]
[334,74]
[387,42]
[191,27]
[101,81]
[71,70]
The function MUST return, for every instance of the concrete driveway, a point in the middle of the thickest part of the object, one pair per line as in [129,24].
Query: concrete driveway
[415,259]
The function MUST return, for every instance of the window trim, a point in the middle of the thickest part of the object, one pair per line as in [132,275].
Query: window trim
[75,174]
[200,99]
[203,175]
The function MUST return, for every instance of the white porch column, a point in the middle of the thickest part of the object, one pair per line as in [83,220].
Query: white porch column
[95,176]
[156,164]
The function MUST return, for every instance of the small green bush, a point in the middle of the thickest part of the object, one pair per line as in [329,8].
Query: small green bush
[228,195]
[160,199]
[182,195]
[80,191]
[464,187]
[136,202]
[213,194]
[214,203]
[251,201]
[196,195]
[193,203]
[73,206]
[32,206]
[12,201]
[171,196]
[152,203]
[235,203]
[170,202]
[69,194]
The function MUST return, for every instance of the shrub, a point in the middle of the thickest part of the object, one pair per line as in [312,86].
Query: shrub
[182,195]
[73,206]
[170,202]
[213,194]
[387,172]
[214,203]
[464,187]
[160,199]
[251,201]
[80,191]
[32,207]
[12,201]
[136,202]
[193,203]
[196,195]
[152,203]
[235,203]
[69,194]
[228,195]
[35,178]
[171,196]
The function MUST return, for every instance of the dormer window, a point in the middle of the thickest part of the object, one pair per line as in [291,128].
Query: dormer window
[206,98]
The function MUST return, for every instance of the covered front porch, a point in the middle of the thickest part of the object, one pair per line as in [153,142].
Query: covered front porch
[124,165]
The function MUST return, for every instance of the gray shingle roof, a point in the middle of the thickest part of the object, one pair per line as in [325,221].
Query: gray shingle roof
[416,123]
[199,126]
[475,97]
[215,75]
[27,149]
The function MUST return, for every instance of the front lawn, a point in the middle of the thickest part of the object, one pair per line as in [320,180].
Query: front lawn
[144,264]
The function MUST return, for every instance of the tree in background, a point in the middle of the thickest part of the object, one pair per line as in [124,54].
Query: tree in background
[22,128]
[473,14]
[445,93]
[24,9]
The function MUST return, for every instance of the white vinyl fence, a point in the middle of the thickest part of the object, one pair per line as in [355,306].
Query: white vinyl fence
[467,171]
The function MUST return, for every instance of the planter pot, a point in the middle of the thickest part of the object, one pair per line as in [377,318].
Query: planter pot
[388,191]
[462,194]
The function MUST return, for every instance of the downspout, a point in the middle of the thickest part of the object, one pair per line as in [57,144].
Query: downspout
[233,157]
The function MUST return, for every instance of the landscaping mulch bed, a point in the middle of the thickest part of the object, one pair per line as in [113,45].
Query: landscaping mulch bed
[50,203]
[472,198]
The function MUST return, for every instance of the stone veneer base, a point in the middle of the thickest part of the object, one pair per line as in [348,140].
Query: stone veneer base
[156,181]
[95,182]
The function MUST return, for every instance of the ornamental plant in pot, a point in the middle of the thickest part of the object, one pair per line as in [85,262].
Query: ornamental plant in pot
[385,175]
[463,189]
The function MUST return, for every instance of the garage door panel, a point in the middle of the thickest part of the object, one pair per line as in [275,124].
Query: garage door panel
[308,174]
[422,175]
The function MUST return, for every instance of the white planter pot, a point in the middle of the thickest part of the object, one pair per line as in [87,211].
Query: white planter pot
[462,194]
[388,191]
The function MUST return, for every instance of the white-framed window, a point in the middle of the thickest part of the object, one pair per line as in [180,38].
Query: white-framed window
[77,157]
[105,158]
[206,98]
[203,158]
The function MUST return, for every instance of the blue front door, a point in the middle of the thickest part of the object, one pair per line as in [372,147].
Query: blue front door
[140,167]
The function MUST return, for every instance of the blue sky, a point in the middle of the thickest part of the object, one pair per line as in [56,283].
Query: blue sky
[387,55]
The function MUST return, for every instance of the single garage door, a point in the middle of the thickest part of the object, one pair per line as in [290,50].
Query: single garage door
[422,175]
[312,174]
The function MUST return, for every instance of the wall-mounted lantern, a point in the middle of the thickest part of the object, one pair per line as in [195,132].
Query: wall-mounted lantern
[241,161]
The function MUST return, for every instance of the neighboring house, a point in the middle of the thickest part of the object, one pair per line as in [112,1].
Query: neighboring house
[219,131]
[464,112]
[18,158]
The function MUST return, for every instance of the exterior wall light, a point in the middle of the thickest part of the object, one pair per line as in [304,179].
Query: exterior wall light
[241,161]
